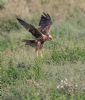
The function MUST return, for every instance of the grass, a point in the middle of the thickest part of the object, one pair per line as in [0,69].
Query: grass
[58,75]
[2,3]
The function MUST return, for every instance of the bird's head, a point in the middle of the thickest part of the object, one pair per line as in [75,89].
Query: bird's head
[50,37]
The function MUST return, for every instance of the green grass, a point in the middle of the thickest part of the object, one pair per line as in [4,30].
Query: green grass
[2,3]
[59,75]
[8,25]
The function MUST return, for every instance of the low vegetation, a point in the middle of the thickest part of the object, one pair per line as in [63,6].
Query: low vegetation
[58,75]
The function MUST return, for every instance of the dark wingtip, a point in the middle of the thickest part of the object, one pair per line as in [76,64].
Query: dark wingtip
[18,17]
[46,15]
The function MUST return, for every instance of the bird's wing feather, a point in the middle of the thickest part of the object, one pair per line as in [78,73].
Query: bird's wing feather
[45,23]
[35,32]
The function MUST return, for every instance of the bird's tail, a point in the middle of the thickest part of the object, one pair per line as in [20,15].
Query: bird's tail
[29,42]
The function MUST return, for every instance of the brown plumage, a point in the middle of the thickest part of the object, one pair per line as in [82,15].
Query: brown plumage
[41,34]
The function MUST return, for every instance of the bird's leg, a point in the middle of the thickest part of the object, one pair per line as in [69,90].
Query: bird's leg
[37,49]
[37,52]
[41,51]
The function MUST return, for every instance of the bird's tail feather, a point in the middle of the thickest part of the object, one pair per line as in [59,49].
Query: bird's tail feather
[29,42]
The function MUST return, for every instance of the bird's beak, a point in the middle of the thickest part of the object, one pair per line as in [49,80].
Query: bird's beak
[50,37]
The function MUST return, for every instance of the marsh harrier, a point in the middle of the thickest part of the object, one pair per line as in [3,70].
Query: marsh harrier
[41,33]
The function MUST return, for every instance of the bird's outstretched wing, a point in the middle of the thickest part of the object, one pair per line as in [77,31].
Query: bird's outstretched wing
[35,32]
[45,23]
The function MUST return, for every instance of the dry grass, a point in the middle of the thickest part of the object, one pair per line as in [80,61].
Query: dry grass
[59,8]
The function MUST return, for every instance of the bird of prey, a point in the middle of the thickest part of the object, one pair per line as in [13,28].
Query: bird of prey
[41,33]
